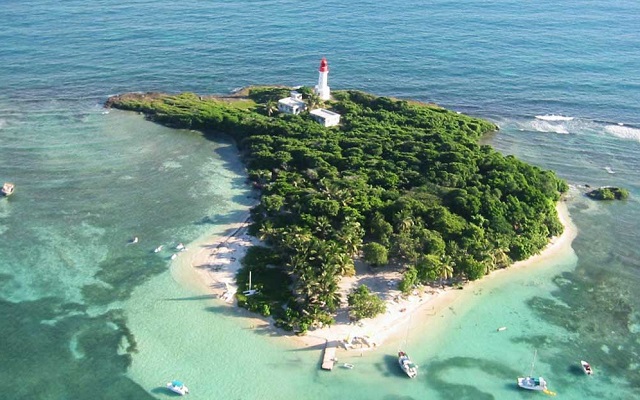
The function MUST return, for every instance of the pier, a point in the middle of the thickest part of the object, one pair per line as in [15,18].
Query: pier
[329,357]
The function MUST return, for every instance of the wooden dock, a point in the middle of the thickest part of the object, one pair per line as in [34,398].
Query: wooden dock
[329,357]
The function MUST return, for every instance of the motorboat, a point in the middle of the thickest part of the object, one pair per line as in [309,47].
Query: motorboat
[586,367]
[7,189]
[407,365]
[158,249]
[180,247]
[347,366]
[178,387]
[134,240]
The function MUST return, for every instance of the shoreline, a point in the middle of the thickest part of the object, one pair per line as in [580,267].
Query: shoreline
[218,259]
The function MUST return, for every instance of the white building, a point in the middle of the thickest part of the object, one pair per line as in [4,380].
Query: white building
[322,88]
[292,104]
[325,117]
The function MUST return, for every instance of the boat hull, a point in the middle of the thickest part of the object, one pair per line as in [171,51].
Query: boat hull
[530,383]
[586,367]
[407,366]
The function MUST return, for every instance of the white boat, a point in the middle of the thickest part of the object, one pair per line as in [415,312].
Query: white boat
[531,383]
[178,387]
[407,365]
[586,367]
[347,366]
[173,256]
[158,249]
[134,240]
[7,189]
[180,247]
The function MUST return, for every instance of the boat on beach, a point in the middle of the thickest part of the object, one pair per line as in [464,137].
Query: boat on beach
[7,189]
[407,365]
[178,387]
[158,249]
[586,367]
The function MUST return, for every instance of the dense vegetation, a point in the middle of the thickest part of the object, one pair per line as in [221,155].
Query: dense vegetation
[608,193]
[408,181]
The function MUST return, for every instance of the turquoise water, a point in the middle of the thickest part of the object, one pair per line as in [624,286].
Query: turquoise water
[88,316]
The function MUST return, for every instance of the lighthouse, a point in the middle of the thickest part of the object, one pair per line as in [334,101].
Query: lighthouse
[322,88]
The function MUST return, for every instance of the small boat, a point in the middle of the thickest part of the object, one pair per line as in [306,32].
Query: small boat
[347,366]
[531,383]
[134,240]
[502,328]
[173,256]
[7,189]
[407,365]
[586,367]
[180,247]
[178,387]
[158,249]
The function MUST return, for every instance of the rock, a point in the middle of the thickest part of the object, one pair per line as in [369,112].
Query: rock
[608,193]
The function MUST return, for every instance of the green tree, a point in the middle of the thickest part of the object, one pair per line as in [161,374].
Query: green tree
[375,254]
[365,304]
[270,107]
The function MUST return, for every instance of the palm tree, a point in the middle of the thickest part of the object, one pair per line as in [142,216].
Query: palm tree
[313,101]
[270,107]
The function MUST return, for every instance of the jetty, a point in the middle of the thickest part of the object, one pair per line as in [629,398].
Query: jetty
[329,357]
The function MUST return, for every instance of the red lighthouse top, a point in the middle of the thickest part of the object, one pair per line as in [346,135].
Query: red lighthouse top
[324,67]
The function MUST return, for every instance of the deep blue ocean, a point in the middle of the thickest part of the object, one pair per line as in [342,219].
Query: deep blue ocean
[86,316]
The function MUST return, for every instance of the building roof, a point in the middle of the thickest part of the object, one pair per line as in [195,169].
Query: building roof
[292,102]
[323,113]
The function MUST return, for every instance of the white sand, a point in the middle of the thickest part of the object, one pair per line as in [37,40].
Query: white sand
[219,260]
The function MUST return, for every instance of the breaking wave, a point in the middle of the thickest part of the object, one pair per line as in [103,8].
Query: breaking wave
[546,126]
[553,117]
[623,132]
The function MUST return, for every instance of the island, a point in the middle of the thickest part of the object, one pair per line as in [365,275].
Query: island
[396,186]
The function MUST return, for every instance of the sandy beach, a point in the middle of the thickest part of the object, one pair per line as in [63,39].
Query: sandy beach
[218,260]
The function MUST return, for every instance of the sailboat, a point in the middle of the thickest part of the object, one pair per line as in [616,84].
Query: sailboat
[250,292]
[407,366]
[531,383]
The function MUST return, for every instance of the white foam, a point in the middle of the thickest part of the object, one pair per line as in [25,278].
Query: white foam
[609,170]
[546,126]
[553,117]
[623,132]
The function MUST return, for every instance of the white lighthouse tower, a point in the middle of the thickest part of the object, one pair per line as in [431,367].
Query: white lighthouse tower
[322,88]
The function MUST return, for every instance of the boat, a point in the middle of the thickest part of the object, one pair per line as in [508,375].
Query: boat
[158,249]
[7,189]
[586,367]
[531,383]
[347,366]
[178,387]
[407,365]
[134,240]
